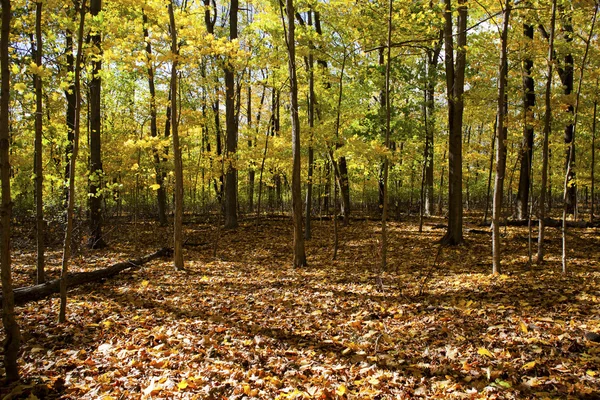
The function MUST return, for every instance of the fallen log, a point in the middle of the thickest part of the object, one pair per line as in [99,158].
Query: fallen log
[37,292]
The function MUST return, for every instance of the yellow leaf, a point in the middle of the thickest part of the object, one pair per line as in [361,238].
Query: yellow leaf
[20,87]
[524,327]
[529,366]
[14,69]
[145,283]
[341,390]
[156,186]
[484,352]
[591,373]
[182,385]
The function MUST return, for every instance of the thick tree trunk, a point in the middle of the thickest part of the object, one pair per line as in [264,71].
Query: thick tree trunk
[12,340]
[41,291]
[160,181]
[178,223]
[231,189]
[455,78]
[38,169]
[299,252]
[96,173]
[547,129]
[528,131]
[502,114]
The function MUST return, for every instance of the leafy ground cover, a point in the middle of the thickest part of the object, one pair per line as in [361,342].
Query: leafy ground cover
[246,325]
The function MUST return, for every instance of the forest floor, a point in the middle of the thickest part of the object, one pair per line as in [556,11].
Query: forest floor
[247,325]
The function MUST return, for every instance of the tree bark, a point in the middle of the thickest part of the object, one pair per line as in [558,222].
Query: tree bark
[39,169]
[570,161]
[231,189]
[161,197]
[455,79]
[96,240]
[502,114]
[528,130]
[178,223]
[62,314]
[299,252]
[429,110]
[311,124]
[388,117]
[547,129]
[12,332]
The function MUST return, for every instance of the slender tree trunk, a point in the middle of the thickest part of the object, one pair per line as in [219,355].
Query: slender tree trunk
[178,224]
[547,129]
[528,131]
[388,116]
[311,124]
[299,252]
[160,192]
[231,220]
[250,145]
[62,317]
[70,112]
[39,170]
[593,166]
[489,181]
[566,74]
[432,62]
[570,161]
[501,145]
[96,173]
[455,77]
[12,340]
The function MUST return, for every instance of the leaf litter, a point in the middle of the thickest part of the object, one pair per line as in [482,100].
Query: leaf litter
[246,325]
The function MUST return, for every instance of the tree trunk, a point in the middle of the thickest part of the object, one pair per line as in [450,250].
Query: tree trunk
[455,78]
[570,161]
[70,112]
[96,174]
[311,124]
[566,74]
[432,61]
[593,166]
[547,129]
[502,114]
[160,181]
[178,223]
[12,332]
[528,131]
[388,113]
[299,252]
[62,317]
[39,169]
[231,220]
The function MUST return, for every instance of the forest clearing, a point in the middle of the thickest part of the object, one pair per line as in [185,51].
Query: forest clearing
[248,325]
